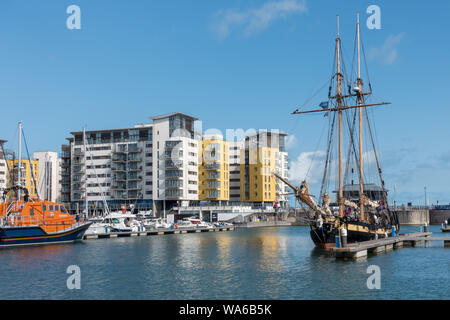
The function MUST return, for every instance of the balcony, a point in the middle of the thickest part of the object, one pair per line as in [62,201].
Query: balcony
[133,188]
[174,174]
[212,166]
[65,163]
[78,170]
[78,188]
[119,159]
[134,195]
[77,161]
[119,196]
[134,150]
[134,159]
[134,168]
[134,178]
[173,184]
[213,186]
[173,144]
[118,169]
[174,164]
[115,186]
[214,175]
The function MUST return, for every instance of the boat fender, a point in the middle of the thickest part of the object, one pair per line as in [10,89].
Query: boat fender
[175,226]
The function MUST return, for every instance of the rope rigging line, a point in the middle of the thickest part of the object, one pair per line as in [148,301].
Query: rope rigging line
[375,153]
[315,152]
[328,160]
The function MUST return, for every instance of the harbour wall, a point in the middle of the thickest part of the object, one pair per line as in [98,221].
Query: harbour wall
[413,217]
[439,216]
[405,216]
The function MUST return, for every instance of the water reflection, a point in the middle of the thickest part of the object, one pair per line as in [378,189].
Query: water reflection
[262,263]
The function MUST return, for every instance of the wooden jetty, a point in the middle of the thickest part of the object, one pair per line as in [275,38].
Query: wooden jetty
[153,232]
[361,249]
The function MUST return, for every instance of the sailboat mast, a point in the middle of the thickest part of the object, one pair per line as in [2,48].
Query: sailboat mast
[360,102]
[339,106]
[19,164]
[86,208]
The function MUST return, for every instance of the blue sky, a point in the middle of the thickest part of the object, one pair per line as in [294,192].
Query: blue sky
[233,64]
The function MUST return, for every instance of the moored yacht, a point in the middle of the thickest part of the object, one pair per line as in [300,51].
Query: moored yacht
[116,222]
[189,223]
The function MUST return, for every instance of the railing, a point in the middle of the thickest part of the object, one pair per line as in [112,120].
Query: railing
[56,224]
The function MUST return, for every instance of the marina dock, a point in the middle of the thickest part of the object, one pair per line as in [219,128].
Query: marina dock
[154,232]
[361,249]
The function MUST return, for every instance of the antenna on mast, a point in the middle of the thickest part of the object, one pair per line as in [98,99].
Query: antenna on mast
[337,18]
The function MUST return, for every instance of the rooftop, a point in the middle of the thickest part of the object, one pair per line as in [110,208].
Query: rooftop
[163,116]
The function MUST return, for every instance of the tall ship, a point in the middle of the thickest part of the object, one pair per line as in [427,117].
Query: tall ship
[27,220]
[361,211]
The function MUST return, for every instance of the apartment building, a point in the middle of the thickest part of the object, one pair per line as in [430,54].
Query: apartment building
[49,187]
[214,171]
[166,163]
[175,170]
[65,173]
[106,166]
[29,174]
[152,166]
[264,154]
[234,160]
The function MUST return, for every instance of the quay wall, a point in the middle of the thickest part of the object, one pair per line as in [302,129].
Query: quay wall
[439,216]
[413,217]
[405,216]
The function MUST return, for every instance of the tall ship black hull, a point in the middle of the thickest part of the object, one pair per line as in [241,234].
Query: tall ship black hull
[325,237]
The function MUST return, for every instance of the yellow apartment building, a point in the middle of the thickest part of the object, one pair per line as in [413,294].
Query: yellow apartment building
[262,155]
[26,174]
[214,174]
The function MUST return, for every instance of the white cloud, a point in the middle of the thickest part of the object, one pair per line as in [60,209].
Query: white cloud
[291,141]
[309,166]
[387,54]
[254,21]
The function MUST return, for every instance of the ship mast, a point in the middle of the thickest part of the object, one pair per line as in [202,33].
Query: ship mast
[339,108]
[360,102]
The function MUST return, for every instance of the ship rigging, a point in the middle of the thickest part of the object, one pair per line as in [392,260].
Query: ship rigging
[365,217]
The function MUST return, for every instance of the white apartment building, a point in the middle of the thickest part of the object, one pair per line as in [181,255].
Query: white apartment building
[49,187]
[112,166]
[152,166]
[175,170]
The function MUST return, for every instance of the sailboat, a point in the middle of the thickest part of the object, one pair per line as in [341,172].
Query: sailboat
[361,211]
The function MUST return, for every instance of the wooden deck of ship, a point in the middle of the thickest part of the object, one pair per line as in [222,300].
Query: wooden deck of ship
[153,232]
[361,249]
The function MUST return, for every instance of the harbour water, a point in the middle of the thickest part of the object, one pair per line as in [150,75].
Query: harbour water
[256,263]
